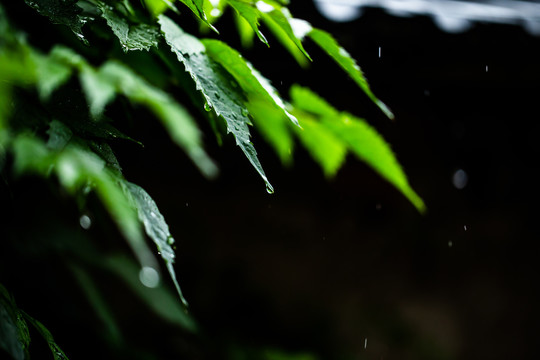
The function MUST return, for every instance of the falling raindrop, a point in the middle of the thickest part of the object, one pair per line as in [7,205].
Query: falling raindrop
[85,222]
[465,227]
[486,68]
[450,243]
[365,343]
[187,204]
[149,277]
[379,52]
[460,179]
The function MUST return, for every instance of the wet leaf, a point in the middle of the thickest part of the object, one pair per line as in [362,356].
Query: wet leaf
[156,228]
[14,335]
[347,63]
[131,37]
[285,28]
[249,12]
[197,7]
[264,103]
[64,12]
[56,351]
[361,139]
[220,91]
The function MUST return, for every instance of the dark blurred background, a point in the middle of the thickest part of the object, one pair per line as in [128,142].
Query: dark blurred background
[346,268]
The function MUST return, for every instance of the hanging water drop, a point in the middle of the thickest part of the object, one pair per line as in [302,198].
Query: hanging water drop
[207,106]
[85,222]
[269,188]
[149,277]
[170,240]
[460,179]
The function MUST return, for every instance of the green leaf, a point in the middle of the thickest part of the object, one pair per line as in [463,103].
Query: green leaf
[197,7]
[96,300]
[289,31]
[14,335]
[156,228]
[57,352]
[245,31]
[50,74]
[248,11]
[132,37]
[324,146]
[59,135]
[347,63]
[264,103]
[64,12]
[363,140]
[162,302]
[219,90]
[158,7]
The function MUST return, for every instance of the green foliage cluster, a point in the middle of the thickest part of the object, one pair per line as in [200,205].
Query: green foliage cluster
[73,148]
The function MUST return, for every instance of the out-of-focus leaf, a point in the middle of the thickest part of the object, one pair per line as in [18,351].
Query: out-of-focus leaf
[77,169]
[327,149]
[59,135]
[347,63]
[158,7]
[218,88]
[156,228]
[264,103]
[64,12]
[101,86]
[363,140]
[132,37]
[249,12]
[56,351]
[159,299]
[50,74]
[96,300]
[14,335]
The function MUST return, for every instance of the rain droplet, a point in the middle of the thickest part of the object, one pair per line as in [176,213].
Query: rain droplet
[170,240]
[465,228]
[269,189]
[365,343]
[245,112]
[450,243]
[207,106]
[85,222]
[149,277]
[379,52]
[187,204]
[486,68]
[460,179]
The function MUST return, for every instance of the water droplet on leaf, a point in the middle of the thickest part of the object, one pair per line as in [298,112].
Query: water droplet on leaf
[207,106]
